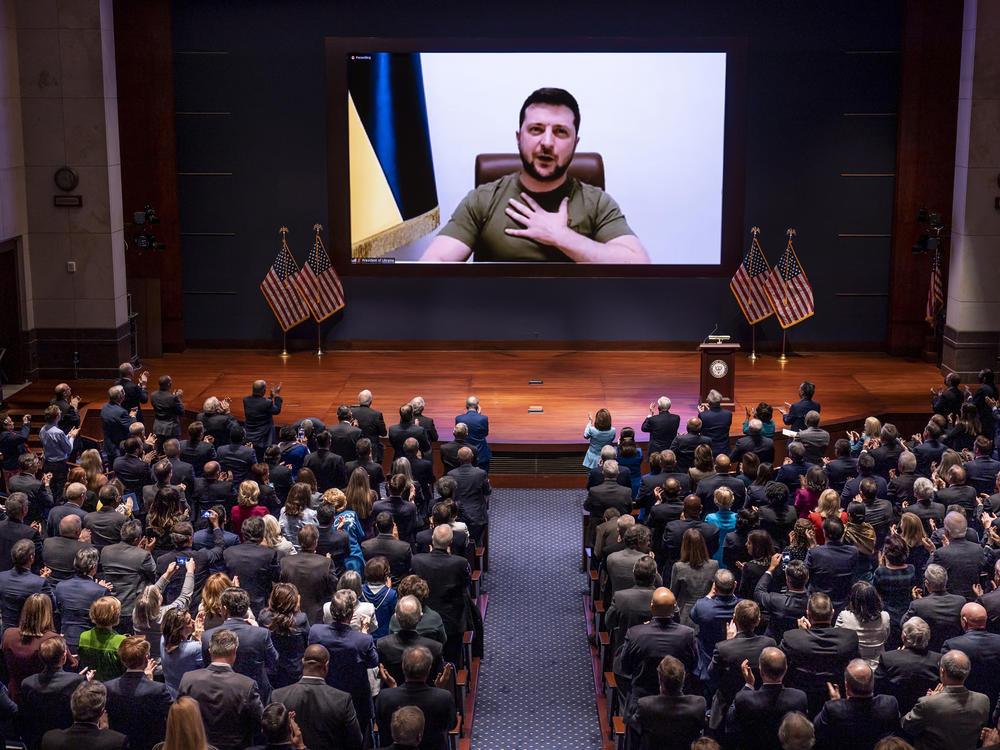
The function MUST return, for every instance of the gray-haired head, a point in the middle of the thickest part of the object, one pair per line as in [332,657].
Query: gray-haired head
[714,398]
[955,525]
[610,469]
[663,403]
[916,633]
[923,488]
[935,578]
[608,452]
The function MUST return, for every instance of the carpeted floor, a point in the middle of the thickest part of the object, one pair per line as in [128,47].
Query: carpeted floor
[536,688]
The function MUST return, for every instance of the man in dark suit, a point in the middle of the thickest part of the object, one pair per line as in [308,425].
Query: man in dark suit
[129,467]
[958,492]
[479,427]
[661,426]
[67,404]
[326,465]
[396,551]
[59,552]
[344,435]
[860,719]
[794,468]
[36,490]
[472,492]
[449,450]
[725,670]
[866,470]
[901,485]
[842,467]
[370,422]
[941,610]
[441,514]
[608,494]
[135,392]
[619,565]
[596,473]
[404,513]
[646,496]
[794,415]
[683,445]
[182,535]
[334,542]
[376,475]
[211,489]
[75,595]
[18,583]
[670,720]
[183,472]
[197,450]
[673,534]
[406,428]
[981,471]
[923,505]
[908,673]
[755,716]
[815,439]
[392,647]
[645,646]
[258,415]
[87,705]
[983,650]
[630,606]
[448,578]
[991,602]
[721,478]
[115,420]
[254,563]
[715,422]
[129,567]
[324,714]
[45,695]
[832,565]
[229,702]
[255,655]
[167,411]
[13,529]
[422,470]
[817,652]
[138,706]
[783,608]
[313,575]
[419,418]
[352,653]
[930,449]
[437,704]
[237,457]
[754,442]
[964,560]
[948,400]
[281,475]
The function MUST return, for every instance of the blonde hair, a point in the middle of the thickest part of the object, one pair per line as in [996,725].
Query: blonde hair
[248,494]
[272,531]
[211,593]
[185,728]
[36,617]
[873,428]
[949,459]
[105,613]
[828,505]
[147,607]
[336,498]
[90,461]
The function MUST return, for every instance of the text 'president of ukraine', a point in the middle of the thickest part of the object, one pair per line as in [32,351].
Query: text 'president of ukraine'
[546,215]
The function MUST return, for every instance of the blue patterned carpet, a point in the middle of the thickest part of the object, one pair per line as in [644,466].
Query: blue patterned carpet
[536,688]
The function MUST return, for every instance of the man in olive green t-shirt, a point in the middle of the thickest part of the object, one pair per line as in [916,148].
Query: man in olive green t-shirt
[546,215]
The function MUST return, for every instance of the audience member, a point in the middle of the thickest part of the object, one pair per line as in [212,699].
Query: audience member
[755,719]
[137,706]
[950,715]
[859,719]
[669,719]
[45,695]
[90,723]
[909,672]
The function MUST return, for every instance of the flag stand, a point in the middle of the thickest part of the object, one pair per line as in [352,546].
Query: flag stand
[284,346]
[319,339]
[752,356]
[783,357]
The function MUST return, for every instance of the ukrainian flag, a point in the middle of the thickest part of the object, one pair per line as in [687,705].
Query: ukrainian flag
[393,195]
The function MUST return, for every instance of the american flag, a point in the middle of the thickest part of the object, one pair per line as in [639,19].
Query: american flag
[748,284]
[935,293]
[280,292]
[789,290]
[319,283]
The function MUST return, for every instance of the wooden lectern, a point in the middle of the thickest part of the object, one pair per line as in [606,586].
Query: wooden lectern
[718,371]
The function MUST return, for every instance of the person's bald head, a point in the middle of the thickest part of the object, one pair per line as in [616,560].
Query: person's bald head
[365,398]
[973,616]
[465,455]
[722,463]
[663,603]
[955,668]
[315,661]
[259,387]
[441,537]
[211,469]
[773,665]
[859,679]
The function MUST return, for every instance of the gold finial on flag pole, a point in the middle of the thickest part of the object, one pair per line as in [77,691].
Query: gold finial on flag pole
[755,231]
[317,228]
[791,233]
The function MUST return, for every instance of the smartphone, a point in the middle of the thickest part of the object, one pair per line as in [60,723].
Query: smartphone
[786,557]
[206,514]
[302,432]
[181,561]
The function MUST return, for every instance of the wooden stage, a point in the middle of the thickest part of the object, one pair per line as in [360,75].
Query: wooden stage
[538,448]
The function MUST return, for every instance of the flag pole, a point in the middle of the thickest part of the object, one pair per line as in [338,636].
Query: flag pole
[284,346]
[784,357]
[752,356]
[319,339]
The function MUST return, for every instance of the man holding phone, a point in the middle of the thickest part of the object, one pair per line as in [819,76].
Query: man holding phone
[182,535]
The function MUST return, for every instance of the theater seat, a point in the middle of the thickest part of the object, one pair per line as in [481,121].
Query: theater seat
[586,167]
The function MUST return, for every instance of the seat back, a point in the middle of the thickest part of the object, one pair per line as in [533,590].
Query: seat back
[586,166]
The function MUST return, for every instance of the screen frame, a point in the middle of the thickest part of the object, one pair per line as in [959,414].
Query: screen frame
[732,248]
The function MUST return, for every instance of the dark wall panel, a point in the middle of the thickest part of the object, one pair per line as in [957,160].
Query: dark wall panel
[800,83]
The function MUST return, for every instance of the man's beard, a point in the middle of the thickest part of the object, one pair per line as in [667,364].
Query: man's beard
[557,172]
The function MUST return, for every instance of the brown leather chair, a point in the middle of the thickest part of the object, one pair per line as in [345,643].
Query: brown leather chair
[586,167]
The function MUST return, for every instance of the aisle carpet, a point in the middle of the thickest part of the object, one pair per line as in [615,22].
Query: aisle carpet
[536,687]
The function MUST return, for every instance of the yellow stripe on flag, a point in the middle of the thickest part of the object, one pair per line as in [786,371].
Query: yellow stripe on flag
[373,206]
